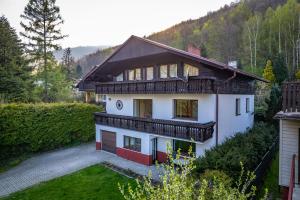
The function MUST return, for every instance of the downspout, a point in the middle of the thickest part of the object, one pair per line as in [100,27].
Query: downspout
[217,106]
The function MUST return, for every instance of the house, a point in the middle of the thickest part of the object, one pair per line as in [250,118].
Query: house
[289,140]
[157,95]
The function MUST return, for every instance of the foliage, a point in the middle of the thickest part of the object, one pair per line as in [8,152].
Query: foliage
[274,103]
[177,182]
[59,87]
[15,79]
[280,69]
[95,182]
[247,148]
[27,128]
[41,29]
[268,73]
[68,64]
[297,75]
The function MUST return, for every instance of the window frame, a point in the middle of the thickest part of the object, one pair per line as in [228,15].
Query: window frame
[147,72]
[185,65]
[175,115]
[238,106]
[137,143]
[168,67]
[247,105]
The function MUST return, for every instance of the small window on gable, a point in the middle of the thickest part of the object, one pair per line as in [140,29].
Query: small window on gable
[237,106]
[119,77]
[247,105]
[163,71]
[190,70]
[173,70]
[138,74]
[131,75]
[149,73]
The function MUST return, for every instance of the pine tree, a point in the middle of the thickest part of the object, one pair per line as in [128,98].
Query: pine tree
[280,69]
[268,72]
[78,71]
[68,62]
[15,79]
[41,30]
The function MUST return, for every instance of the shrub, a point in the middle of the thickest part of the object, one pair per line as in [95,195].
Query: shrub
[28,128]
[248,148]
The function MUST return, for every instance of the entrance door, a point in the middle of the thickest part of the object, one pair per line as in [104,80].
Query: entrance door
[154,149]
[109,141]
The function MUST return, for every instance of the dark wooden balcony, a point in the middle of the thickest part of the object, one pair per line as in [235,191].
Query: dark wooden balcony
[175,86]
[183,130]
[291,97]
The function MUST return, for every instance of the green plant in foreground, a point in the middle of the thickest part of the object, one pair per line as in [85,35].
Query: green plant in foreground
[177,182]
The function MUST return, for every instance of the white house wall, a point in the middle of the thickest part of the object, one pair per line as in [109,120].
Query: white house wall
[229,122]
[289,133]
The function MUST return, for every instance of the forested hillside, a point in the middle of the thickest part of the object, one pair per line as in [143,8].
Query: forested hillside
[250,32]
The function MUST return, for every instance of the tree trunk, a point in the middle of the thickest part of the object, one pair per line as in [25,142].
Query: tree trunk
[46,99]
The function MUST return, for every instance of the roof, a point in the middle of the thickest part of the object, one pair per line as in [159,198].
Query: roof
[287,115]
[179,52]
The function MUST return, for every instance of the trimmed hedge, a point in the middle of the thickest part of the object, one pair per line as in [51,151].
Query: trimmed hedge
[248,148]
[28,128]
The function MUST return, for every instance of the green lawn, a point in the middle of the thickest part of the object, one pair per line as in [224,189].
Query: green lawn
[95,182]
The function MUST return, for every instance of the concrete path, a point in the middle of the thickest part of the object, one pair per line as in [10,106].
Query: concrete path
[53,164]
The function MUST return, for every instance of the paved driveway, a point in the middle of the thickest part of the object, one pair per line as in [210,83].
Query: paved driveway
[50,165]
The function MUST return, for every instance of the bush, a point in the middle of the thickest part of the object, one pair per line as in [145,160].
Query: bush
[248,148]
[28,128]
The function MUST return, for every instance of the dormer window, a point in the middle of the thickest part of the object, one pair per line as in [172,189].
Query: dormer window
[189,70]
[119,77]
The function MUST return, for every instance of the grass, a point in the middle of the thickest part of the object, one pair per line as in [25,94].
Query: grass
[95,182]
[271,180]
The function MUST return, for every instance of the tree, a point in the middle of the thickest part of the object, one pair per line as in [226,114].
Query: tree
[15,78]
[268,72]
[177,182]
[280,70]
[41,31]
[68,63]
[78,71]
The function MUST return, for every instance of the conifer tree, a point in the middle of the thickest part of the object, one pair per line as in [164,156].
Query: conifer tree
[41,31]
[268,72]
[15,79]
[68,62]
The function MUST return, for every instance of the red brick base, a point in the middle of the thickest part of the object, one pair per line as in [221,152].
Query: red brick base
[161,156]
[98,145]
[134,156]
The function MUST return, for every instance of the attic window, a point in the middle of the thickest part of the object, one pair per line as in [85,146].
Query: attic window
[190,70]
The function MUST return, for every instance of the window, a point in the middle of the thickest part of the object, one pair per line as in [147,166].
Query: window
[163,71]
[237,106]
[184,147]
[142,108]
[149,73]
[173,70]
[138,74]
[186,109]
[132,143]
[131,75]
[119,77]
[247,105]
[189,70]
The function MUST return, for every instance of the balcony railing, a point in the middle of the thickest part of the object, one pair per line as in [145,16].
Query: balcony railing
[206,85]
[291,97]
[177,129]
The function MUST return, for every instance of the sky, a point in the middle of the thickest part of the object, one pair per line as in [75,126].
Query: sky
[111,22]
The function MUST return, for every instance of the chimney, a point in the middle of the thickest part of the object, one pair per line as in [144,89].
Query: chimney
[191,48]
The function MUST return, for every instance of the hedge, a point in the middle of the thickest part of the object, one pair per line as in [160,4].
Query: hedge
[28,128]
[248,148]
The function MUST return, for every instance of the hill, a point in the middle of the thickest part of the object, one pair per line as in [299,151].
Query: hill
[250,32]
[78,52]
